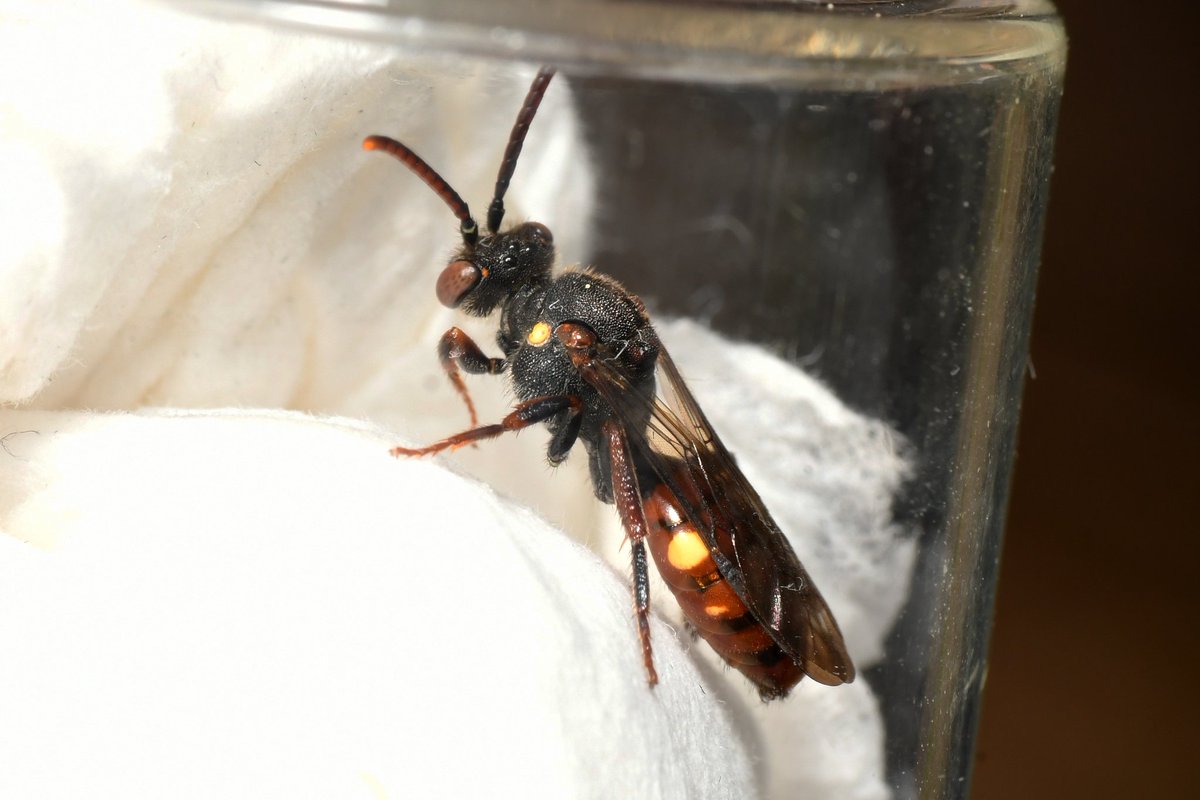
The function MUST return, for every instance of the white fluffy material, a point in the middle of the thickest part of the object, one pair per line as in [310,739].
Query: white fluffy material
[243,604]
[263,603]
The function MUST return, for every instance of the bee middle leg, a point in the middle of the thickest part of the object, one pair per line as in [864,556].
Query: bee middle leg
[531,412]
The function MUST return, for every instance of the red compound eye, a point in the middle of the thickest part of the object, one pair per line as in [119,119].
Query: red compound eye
[456,282]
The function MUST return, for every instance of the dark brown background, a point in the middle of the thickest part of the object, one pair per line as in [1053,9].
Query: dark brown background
[1092,687]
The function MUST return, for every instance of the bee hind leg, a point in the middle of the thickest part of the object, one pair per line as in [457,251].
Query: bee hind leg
[628,499]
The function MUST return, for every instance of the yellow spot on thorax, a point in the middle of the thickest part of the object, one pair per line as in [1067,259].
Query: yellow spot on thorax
[539,335]
[687,551]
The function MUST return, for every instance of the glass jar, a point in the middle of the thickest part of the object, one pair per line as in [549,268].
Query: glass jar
[852,190]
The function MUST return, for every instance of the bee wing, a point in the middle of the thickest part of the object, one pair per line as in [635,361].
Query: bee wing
[750,551]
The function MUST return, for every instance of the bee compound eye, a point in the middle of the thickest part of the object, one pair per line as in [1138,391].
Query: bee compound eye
[456,282]
[541,231]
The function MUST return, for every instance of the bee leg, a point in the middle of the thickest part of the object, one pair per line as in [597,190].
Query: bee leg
[531,412]
[564,440]
[456,350]
[628,499]
[641,603]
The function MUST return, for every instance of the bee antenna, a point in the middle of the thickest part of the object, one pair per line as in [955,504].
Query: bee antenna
[515,141]
[467,226]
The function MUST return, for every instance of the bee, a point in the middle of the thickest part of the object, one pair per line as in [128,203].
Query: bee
[584,360]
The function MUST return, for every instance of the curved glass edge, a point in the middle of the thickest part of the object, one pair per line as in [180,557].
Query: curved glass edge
[767,44]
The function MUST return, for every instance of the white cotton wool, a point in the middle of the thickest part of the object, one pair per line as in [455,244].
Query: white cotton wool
[232,243]
[260,604]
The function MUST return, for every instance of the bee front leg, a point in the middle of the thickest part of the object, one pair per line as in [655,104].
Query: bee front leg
[628,499]
[564,440]
[457,350]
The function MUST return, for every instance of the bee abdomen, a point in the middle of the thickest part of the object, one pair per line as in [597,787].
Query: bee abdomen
[708,601]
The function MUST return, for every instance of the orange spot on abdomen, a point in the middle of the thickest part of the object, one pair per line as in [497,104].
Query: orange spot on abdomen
[678,549]
[687,552]
[715,610]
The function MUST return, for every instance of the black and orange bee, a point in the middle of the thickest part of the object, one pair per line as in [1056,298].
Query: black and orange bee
[584,360]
